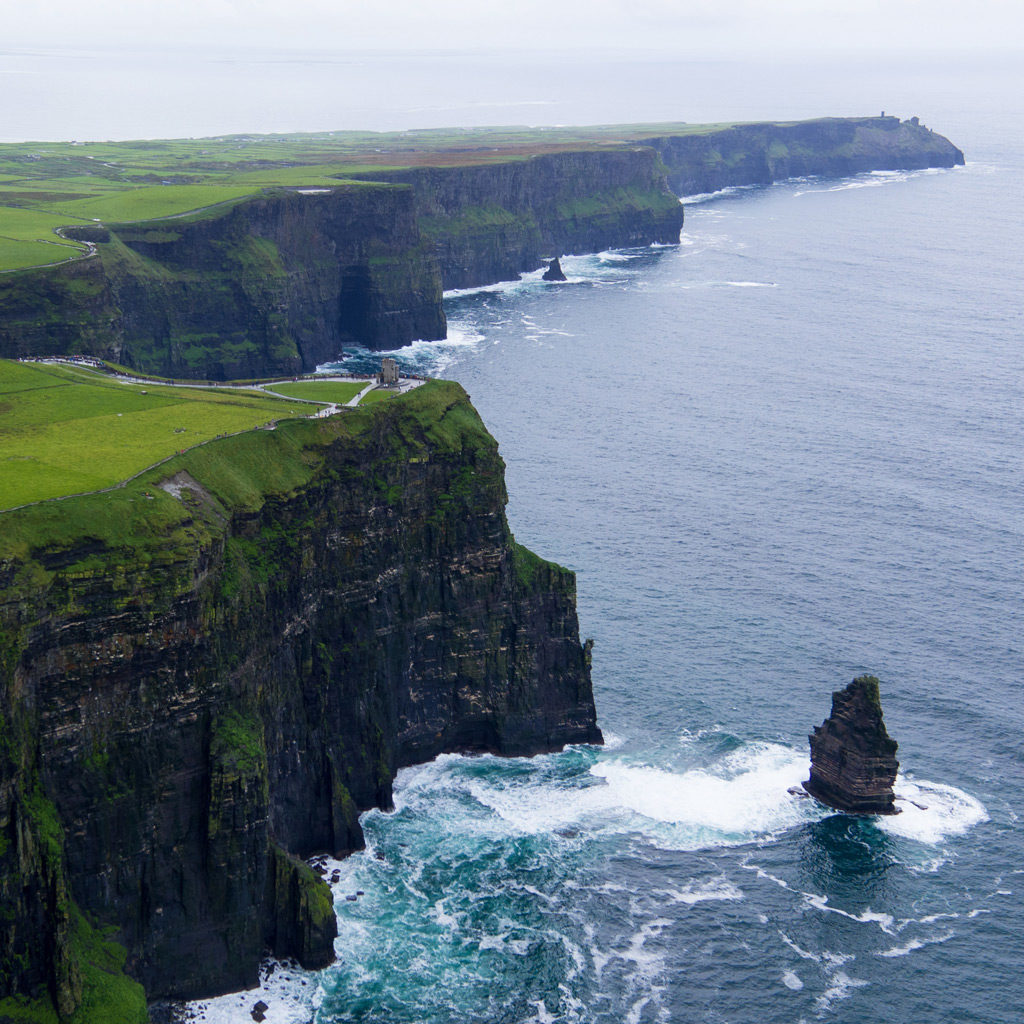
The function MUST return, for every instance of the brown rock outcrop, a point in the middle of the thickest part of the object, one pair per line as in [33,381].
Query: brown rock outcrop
[853,758]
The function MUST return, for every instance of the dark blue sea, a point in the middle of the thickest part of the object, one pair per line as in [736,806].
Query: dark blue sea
[783,453]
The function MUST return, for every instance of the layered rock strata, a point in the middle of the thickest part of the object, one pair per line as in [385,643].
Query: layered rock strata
[205,683]
[853,758]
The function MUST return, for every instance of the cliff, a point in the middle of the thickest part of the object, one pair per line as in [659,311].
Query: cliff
[492,222]
[272,285]
[833,147]
[212,671]
[853,758]
[279,282]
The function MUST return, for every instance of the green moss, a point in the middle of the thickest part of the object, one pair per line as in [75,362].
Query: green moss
[98,758]
[613,204]
[529,567]
[21,1010]
[304,910]
[869,684]
[43,815]
[237,744]
[315,901]
[345,807]
[88,964]
[108,994]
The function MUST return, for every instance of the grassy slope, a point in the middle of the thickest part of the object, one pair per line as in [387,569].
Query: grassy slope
[47,185]
[239,472]
[65,431]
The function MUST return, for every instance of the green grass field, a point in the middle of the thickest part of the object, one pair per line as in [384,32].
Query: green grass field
[67,430]
[336,391]
[147,203]
[44,185]
[378,396]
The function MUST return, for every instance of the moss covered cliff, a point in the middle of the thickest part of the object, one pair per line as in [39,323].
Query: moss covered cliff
[209,673]
[492,222]
[281,280]
[272,285]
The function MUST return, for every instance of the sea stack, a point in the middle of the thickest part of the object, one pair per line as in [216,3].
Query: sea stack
[853,758]
[554,271]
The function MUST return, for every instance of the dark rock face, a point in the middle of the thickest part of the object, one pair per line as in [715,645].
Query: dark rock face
[273,285]
[492,222]
[853,759]
[554,271]
[190,706]
[758,154]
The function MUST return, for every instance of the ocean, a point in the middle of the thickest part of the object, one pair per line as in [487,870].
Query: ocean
[780,454]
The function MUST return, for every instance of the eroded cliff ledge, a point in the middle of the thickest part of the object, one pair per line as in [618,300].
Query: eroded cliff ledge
[280,281]
[212,671]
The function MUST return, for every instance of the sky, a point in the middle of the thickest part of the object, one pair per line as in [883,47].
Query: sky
[679,26]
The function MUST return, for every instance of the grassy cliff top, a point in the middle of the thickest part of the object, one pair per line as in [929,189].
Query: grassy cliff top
[48,185]
[237,473]
[71,429]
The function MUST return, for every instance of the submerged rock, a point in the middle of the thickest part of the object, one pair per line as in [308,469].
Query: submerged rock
[853,758]
[554,271]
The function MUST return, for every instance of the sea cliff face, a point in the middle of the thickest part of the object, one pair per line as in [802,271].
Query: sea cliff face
[760,153]
[491,222]
[272,285]
[211,672]
[281,282]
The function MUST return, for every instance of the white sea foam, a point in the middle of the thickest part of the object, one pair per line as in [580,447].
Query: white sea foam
[493,941]
[543,1015]
[746,797]
[870,179]
[868,916]
[619,256]
[828,960]
[291,994]
[498,286]
[687,736]
[704,197]
[916,943]
[713,890]
[841,986]
[931,812]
